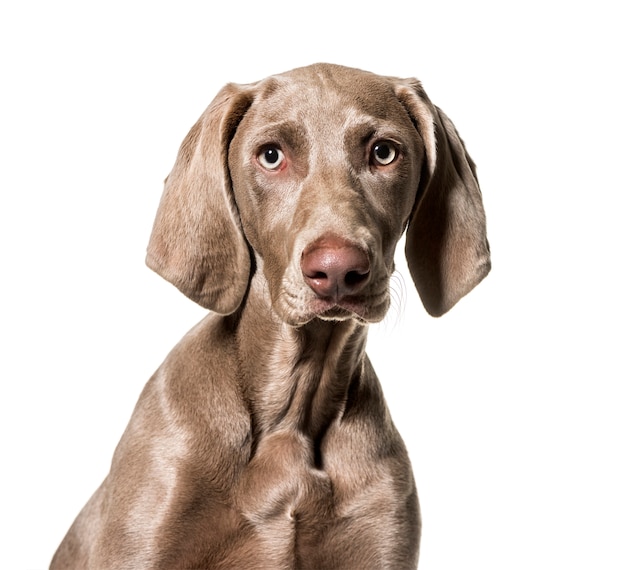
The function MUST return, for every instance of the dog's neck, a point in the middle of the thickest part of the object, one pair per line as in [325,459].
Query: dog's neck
[297,379]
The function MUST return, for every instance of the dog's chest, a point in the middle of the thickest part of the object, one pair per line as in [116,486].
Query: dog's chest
[282,486]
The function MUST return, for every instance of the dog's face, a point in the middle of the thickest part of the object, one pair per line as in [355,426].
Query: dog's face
[316,173]
[314,162]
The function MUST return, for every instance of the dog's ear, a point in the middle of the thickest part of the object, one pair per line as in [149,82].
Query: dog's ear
[196,242]
[446,244]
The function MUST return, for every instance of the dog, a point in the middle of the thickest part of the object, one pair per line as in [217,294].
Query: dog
[264,441]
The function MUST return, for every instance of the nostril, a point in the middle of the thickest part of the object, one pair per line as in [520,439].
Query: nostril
[354,278]
[318,275]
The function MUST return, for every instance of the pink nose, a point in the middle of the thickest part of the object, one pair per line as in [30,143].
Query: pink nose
[334,267]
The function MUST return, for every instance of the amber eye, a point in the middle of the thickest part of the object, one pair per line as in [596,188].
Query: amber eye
[271,157]
[384,153]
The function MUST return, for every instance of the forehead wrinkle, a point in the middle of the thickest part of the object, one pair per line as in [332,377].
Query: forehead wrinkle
[289,131]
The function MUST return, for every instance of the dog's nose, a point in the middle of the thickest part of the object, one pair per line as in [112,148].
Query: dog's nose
[334,267]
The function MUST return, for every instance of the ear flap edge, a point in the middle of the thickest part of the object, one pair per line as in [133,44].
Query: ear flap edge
[446,245]
[197,243]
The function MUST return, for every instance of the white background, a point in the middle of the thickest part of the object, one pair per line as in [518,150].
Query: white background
[512,405]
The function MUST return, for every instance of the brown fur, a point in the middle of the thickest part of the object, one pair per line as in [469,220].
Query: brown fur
[263,441]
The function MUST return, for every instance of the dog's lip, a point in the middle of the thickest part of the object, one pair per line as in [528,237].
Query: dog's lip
[366,307]
[340,309]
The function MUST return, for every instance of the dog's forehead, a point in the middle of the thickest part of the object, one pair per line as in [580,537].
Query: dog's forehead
[327,92]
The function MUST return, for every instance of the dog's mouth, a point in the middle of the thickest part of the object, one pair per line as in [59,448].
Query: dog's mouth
[370,309]
[340,309]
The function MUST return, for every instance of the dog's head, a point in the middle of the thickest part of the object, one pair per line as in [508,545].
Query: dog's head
[311,177]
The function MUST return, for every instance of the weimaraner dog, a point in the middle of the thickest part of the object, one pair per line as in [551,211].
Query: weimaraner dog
[264,441]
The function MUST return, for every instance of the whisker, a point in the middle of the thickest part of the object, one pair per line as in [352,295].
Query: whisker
[397,295]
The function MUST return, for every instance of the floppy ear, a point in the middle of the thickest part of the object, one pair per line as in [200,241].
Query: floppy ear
[446,244]
[196,242]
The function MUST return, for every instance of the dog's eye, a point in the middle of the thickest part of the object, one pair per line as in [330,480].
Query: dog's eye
[384,153]
[271,157]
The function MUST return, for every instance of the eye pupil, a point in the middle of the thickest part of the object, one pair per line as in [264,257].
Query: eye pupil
[384,153]
[271,155]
